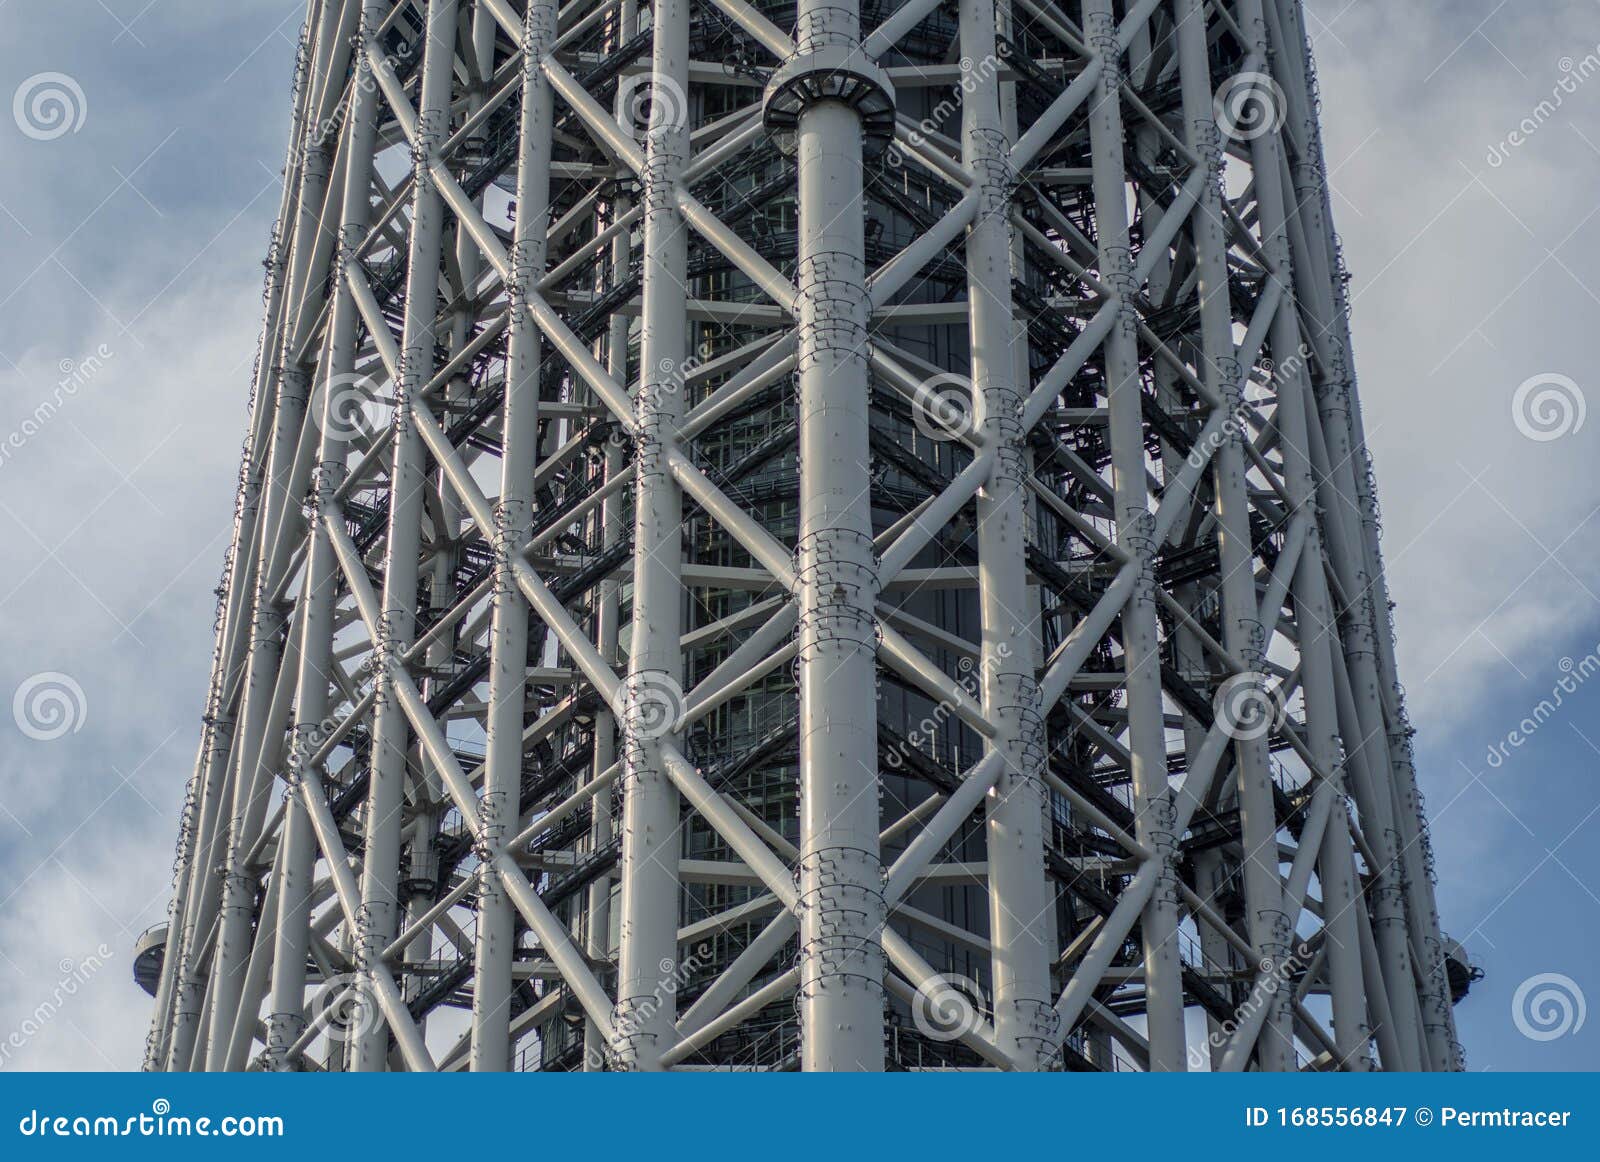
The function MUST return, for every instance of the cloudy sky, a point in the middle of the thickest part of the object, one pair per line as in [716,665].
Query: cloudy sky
[130,295]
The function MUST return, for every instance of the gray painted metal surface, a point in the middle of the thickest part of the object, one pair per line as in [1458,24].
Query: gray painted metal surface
[830,535]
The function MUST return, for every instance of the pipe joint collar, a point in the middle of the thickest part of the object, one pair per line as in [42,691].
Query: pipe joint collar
[830,70]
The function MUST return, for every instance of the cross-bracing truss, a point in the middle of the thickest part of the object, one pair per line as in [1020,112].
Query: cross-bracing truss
[831,535]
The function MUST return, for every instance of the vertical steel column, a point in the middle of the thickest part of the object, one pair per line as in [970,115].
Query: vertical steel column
[380,904]
[597,902]
[1363,727]
[1186,648]
[1267,925]
[1153,819]
[286,1021]
[651,833]
[156,1039]
[508,670]
[1019,902]
[203,894]
[286,1017]
[1334,456]
[1331,322]
[200,899]
[1311,587]
[230,973]
[421,880]
[842,909]
[200,911]
[246,1018]
[608,617]
[1341,891]
[239,884]
[260,733]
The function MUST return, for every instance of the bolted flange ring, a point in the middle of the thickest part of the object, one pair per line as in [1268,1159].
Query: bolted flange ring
[830,72]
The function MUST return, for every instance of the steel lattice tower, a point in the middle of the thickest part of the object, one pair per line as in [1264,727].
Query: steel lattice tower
[830,534]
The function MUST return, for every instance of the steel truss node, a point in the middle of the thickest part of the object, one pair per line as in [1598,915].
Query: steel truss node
[828,535]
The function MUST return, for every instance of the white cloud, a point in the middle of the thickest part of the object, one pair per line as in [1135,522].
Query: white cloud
[1468,280]
[134,244]
[122,602]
